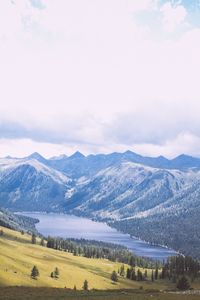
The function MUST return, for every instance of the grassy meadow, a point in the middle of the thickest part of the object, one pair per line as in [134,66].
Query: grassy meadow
[18,255]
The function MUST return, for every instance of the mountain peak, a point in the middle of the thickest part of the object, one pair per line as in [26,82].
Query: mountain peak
[36,155]
[77,154]
[129,152]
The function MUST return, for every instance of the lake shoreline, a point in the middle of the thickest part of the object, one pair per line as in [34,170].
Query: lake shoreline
[104,232]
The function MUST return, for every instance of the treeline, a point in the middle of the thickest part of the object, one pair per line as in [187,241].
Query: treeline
[164,229]
[180,265]
[173,269]
[17,222]
[94,249]
[179,270]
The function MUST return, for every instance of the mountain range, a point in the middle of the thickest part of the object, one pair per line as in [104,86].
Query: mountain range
[156,199]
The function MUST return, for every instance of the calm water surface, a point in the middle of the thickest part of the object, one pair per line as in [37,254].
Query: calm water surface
[69,226]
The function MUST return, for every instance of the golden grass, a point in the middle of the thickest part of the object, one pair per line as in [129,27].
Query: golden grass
[18,256]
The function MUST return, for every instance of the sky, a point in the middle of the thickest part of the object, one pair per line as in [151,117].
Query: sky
[99,76]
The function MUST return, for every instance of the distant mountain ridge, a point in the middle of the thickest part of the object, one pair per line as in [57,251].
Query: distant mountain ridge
[145,196]
[180,162]
[63,162]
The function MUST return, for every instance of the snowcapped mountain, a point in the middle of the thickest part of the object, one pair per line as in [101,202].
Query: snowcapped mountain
[27,184]
[148,197]
[127,190]
[114,186]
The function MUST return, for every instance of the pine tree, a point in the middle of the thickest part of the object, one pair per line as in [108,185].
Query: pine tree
[156,273]
[133,275]
[164,272]
[33,238]
[122,271]
[139,275]
[35,272]
[114,276]
[52,275]
[132,261]
[85,285]
[128,273]
[152,276]
[75,253]
[56,272]
[50,242]
[183,283]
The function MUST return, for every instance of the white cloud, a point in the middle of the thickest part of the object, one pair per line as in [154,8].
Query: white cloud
[73,69]
[173,16]
[184,142]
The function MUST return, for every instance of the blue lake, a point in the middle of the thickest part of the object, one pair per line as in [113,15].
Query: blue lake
[69,226]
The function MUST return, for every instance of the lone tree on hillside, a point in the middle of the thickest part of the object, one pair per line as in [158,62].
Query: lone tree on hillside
[114,276]
[183,284]
[33,238]
[56,272]
[35,273]
[85,285]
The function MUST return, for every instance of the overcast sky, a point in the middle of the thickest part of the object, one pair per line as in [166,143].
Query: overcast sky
[99,76]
